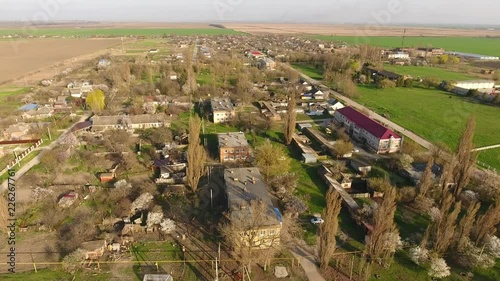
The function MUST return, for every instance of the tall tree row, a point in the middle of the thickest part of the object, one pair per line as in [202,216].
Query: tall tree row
[291,117]
[196,154]
[329,228]
[382,241]
[466,158]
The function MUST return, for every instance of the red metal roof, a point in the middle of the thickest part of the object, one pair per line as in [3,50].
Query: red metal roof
[365,122]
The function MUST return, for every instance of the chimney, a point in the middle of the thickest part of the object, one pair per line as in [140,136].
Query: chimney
[235,179]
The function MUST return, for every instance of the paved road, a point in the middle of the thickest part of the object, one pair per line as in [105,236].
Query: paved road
[308,264]
[36,160]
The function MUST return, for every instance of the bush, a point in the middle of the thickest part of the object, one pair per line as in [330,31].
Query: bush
[439,268]
[406,194]
[386,84]
[418,255]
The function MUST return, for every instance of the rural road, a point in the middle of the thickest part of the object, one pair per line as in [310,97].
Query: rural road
[308,264]
[36,160]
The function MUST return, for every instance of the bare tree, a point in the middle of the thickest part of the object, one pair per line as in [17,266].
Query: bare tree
[342,147]
[466,158]
[380,246]
[196,154]
[486,223]
[243,233]
[291,116]
[329,228]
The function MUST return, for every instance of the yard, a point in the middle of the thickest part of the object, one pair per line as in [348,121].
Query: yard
[437,116]
[477,45]
[309,70]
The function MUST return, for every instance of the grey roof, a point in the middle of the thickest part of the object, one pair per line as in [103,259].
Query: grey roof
[221,104]
[236,139]
[244,185]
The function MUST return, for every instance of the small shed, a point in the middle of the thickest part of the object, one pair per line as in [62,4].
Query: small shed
[302,126]
[106,177]
[360,165]
[309,158]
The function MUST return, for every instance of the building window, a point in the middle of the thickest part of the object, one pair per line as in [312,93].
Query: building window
[225,157]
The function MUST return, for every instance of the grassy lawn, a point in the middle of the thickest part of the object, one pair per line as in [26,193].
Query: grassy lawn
[309,70]
[111,32]
[437,116]
[483,46]
[6,92]
[423,71]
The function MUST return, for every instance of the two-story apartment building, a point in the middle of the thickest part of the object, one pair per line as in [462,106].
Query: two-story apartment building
[233,147]
[366,130]
[251,211]
[222,110]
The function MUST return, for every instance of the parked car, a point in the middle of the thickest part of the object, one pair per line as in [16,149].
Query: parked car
[317,220]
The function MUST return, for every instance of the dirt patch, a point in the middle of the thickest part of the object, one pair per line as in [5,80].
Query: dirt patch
[19,58]
[32,246]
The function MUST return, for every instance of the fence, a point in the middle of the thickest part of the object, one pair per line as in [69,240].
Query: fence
[24,154]
[486,166]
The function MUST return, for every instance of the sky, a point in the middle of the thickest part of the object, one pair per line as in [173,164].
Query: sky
[381,12]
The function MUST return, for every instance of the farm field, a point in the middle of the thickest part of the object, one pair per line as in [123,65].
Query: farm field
[437,116]
[20,57]
[483,46]
[424,71]
[112,32]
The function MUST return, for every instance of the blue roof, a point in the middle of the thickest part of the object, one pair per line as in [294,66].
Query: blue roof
[29,106]
[278,214]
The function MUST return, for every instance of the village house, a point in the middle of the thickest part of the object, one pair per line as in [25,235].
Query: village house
[382,74]
[222,110]
[39,113]
[16,131]
[233,147]
[244,186]
[333,106]
[367,131]
[103,64]
[129,122]
[483,86]
[397,55]
[429,52]
[269,111]
[266,63]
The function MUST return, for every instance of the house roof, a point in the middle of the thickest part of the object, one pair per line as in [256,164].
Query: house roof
[28,107]
[236,139]
[221,104]
[244,185]
[366,123]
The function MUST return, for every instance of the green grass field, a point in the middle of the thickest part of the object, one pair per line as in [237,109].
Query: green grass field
[479,45]
[309,70]
[111,32]
[424,71]
[437,116]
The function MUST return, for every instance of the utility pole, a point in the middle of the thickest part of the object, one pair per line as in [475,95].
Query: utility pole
[48,130]
[216,271]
